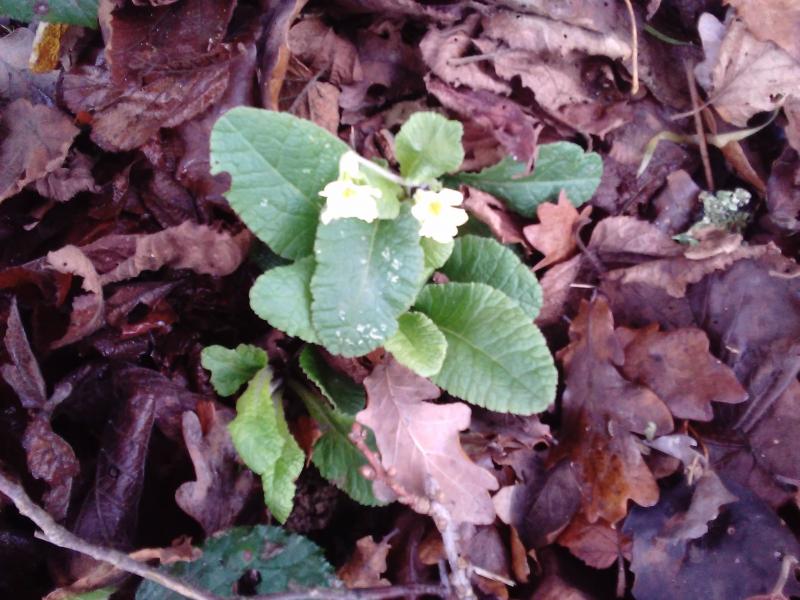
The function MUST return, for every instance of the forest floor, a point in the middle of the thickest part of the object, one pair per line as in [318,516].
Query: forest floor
[667,467]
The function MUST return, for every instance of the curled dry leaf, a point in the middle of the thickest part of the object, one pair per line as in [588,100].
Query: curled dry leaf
[22,373]
[602,412]
[554,236]
[35,142]
[185,246]
[88,309]
[419,440]
[486,208]
[366,565]
[218,494]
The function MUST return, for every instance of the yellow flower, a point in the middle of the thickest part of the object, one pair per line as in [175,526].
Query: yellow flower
[347,199]
[437,213]
[350,167]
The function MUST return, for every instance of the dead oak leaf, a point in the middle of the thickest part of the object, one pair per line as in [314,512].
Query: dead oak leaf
[678,366]
[772,20]
[419,441]
[364,568]
[602,412]
[597,544]
[35,142]
[554,236]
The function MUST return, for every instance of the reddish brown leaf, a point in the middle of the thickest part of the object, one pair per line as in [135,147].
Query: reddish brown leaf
[22,373]
[602,411]
[599,544]
[420,441]
[35,142]
[678,366]
[504,225]
[366,565]
[555,235]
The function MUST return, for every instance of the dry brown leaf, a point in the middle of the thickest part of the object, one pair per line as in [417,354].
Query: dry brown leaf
[555,235]
[16,79]
[221,489]
[88,309]
[772,20]
[557,290]
[35,142]
[185,246]
[597,544]
[678,366]
[602,412]
[419,440]
[443,49]
[489,210]
[742,75]
[366,564]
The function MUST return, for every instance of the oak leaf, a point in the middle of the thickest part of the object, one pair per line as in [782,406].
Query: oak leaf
[365,566]
[602,412]
[419,441]
[554,236]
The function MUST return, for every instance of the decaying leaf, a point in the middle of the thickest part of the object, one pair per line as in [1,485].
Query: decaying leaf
[218,494]
[554,236]
[598,544]
[678,366]
[419,440]
[366,564]
[36,139]
[742,75]
[602,412]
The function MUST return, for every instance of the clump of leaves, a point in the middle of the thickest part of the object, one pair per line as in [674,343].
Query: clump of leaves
[362,243]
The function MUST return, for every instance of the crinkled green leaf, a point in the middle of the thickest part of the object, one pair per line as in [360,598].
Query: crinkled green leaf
[261,437]
[283,561]
[278,165]
[427,146]
[344,393]
[282,297]
[367,275]
[336,457]
[560,165]
[484,260]
[436,253]
[418,344]
[71,12]
[230,368]
[496,358]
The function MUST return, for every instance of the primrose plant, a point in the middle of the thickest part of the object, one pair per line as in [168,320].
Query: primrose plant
[360,244]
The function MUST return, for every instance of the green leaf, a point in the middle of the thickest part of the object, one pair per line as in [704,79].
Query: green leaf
[496,358]
[261,437]
[336,457]
[100,594]
[418,344]
[344,393]
[560,165]
[436,253]
[283,561]
[367,275]
[427,146]
[278,165]
[389,202]
[71,12]
[282,297]
[484,260]
[231,368]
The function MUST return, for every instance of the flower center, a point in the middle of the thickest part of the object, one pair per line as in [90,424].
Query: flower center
[435,208]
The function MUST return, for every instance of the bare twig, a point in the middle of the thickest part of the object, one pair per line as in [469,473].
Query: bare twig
[698,126]
[57,535]
[787,565]
[635,44]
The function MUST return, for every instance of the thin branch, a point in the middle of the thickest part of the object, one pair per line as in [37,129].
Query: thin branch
[698,126]
[635,44]
[57,535]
